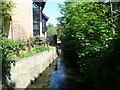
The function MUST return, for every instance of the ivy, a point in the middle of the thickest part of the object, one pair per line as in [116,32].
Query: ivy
[7,7]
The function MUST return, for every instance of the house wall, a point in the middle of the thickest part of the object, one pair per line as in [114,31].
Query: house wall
[22,20]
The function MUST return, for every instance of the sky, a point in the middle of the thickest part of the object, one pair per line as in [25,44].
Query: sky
[52,11]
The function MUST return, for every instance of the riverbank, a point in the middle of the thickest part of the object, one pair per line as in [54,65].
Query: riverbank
[26,70]
[43,80]
[60,75]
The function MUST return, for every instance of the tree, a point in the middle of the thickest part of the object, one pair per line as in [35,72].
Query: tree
[51,29]
[88,41]
[59,31]
[86,27]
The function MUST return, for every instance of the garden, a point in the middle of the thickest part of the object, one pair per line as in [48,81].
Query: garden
[11,50]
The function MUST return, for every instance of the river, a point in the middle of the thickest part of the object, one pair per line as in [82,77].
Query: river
[60,75]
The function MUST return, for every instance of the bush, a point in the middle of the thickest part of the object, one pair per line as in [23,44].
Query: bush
[40,48]
[27,54]
[8,48]
[104,69]
[37,49]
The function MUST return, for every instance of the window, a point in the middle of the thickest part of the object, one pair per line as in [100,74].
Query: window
[36,21]
[43,25]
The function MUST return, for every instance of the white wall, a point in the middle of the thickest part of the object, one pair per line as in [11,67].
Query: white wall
[22,20]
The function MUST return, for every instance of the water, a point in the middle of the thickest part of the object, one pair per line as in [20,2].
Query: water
[60,75]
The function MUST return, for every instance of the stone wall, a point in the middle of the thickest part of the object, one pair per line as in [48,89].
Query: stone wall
[28,68]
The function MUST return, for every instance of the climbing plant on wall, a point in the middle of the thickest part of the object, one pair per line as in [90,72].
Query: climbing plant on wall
[6,46]
[6,9]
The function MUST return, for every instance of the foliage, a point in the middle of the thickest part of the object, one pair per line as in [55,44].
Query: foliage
[6,9]
[86,28]
[90,40]
[59,30]
[40,48]
[38,40]
[103,69]
[51,29]
[27,54]
[37,49]
[8,48]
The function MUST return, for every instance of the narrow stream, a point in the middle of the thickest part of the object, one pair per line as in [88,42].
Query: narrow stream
[59,75]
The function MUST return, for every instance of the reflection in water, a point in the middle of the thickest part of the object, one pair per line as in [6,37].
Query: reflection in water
[56,68]
[58,79]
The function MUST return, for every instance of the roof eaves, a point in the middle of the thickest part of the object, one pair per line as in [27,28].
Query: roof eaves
[39,3]
[45,16]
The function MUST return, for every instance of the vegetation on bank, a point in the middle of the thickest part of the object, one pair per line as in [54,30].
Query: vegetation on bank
[12,50]
[5,12]
[91,39]
[36,49]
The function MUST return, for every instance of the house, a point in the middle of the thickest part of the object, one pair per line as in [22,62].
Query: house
[27,21]
[39,21]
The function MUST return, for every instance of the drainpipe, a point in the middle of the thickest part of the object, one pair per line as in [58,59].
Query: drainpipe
[12,30]
[40,20]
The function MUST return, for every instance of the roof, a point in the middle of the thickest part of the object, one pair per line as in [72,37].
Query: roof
[46,17]
[39,3]
[39,0]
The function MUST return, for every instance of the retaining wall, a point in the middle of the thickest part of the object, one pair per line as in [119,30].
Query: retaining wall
[28,68]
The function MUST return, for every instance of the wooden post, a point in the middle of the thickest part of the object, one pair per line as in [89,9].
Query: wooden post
[44,44]
[18,51]
[32,44]
[47,44]
[36,43]
[28,45]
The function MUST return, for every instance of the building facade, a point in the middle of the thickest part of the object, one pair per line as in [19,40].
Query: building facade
[39,29]
[25,23]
